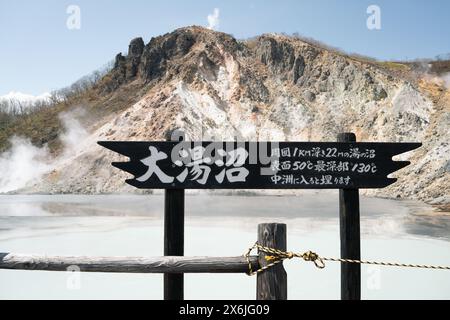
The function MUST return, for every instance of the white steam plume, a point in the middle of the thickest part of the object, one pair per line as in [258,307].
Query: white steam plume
[446,79]
[214,20]
[22,163]
[25,163]
[74,132]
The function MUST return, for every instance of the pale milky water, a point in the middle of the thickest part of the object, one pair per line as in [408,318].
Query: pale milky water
[220,226]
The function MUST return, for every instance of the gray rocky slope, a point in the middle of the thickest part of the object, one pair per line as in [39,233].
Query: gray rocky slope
[272,87]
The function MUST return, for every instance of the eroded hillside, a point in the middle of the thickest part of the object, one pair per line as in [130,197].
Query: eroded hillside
[272,87]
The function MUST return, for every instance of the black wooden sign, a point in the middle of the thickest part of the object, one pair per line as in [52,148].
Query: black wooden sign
[260,165]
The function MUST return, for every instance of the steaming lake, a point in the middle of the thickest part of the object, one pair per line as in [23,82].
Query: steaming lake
[392,230]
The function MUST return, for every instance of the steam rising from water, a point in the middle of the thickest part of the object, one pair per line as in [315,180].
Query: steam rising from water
[22,163]
[25,163]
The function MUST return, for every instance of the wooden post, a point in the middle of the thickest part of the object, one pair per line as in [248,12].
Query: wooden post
[350,236]
[272,283]
[174,241]
[174,231]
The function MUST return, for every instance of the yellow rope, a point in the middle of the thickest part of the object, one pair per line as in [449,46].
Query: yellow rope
[275,256]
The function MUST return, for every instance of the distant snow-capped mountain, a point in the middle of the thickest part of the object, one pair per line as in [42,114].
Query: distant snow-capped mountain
[24,98]
[18,101]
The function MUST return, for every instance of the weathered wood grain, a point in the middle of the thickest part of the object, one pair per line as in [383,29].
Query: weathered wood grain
[272,283]
[128,264]
[349,218]
[174,241]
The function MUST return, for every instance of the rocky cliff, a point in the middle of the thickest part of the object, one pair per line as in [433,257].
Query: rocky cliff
[272,87]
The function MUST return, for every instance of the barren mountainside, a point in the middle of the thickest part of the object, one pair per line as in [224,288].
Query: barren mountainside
[272,87]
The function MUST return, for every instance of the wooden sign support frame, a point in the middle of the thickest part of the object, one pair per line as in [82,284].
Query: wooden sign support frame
[349,211]
[349,223]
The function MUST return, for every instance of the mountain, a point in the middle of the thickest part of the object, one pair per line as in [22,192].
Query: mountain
[272,87]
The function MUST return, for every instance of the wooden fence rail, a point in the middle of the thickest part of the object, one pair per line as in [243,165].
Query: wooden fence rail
[271,284]
[129,264]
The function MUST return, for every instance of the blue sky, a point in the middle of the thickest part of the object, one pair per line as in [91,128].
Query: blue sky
[38,53]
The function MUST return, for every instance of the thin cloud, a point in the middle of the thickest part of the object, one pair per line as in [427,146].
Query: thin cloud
[214,19]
